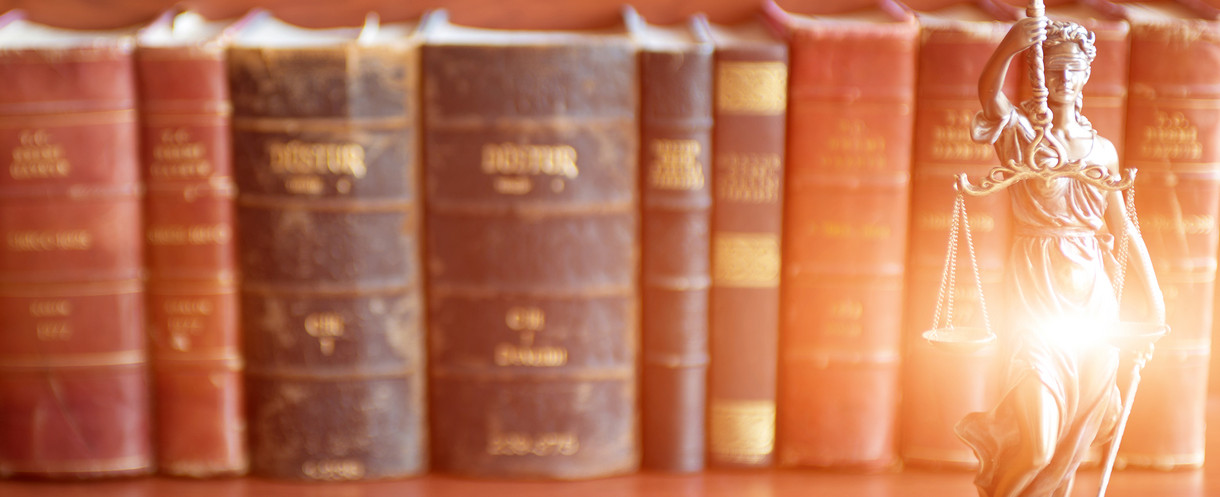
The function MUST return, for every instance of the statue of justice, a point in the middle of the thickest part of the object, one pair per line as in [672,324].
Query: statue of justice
[1075,246]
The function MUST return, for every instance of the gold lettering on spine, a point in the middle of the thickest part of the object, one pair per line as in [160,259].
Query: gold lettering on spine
[326,327]
[676,165]
[46,241]
[749,178]
[862,231]
[177,156]
[979,223]
[514,165]
[1171,137]
[1196,224]
[36,157]
[55,329]
[951,140]
[333,470]
[303,164]
[851,147]
[527,321]
[185,318]
[525,444]
[752,87]
[741,431]
[745,260]
[844,318]
[216,234]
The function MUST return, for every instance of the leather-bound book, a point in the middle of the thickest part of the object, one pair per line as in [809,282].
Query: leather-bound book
[939,387]
[325,126]
[750,98]
[847,188]
[675,205]
[1173,139]
[192,288]
[532,251]
[73,389]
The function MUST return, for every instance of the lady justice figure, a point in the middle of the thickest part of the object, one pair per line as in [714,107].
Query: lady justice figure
[1060,395]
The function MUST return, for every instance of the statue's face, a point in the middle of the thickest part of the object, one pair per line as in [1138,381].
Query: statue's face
[1067,69]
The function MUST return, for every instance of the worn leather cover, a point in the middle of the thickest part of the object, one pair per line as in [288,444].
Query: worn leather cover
[533,252]
[325,153]
[750,100]
[676,203]
[189,235]
[1173,117]
[939,388]
[73,390]
[845,234]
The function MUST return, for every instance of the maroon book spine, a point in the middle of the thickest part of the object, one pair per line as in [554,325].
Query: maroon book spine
[192,292]
[939,387]
[845,233]
[750,101]
[73,390]
[1173,140]
[676,201]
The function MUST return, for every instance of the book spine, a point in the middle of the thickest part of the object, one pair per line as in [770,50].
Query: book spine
[676,201]
[73,390]
[325,152]
[192,291]
[750,104]
[1105,94]
[845,234]
[1172,123]
[939,388]
[533,257]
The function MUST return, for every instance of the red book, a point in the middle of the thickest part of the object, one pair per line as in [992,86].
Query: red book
[675,205]
[1173,121]
[939,388]
[73,369]
[750,102]
[188,204]
[851,102]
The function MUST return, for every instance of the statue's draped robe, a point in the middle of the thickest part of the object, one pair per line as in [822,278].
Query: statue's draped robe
[1058,293]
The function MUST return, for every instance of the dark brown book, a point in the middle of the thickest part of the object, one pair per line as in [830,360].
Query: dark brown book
[325,144]
[750,101]
[533,251]
[188,203]
[675,213]
[73,371]
[1173,117]
[847,191]
[939,387]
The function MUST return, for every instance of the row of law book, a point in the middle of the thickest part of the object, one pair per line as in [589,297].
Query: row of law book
[360,253]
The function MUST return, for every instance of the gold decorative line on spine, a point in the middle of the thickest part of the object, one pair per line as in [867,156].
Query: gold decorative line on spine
[68,119]
[745,260]
[479,122]
[741,431]
[220,286]
[129,463]
[317,124]
[752,87]
[678,283]
[526,209]
[316,204]
[77,289]
[565,374]
[331,374]
[440,290]
[63,361]
[229,359]
[353,289]
[1160,461]
[220,187]
[186,118]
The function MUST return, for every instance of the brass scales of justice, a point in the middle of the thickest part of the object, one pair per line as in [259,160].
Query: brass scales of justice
[1054,180]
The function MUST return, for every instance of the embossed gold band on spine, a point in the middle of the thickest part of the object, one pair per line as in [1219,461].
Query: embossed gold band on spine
[439,290]
[129,463]
[567,374]
[333,373]
[677,283]
[179,116]
[300,124]
[350,289]
[216,186]
[229,359]
[1161,461]
[325,204]
[59,362]
[212,286]
[72,289]
[532,210]
[68,118]
[741,430]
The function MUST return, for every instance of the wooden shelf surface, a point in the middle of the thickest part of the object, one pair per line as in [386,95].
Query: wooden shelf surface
[717,483]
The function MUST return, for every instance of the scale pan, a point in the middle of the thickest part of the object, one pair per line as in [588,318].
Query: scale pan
[1135,335]
[960,339]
